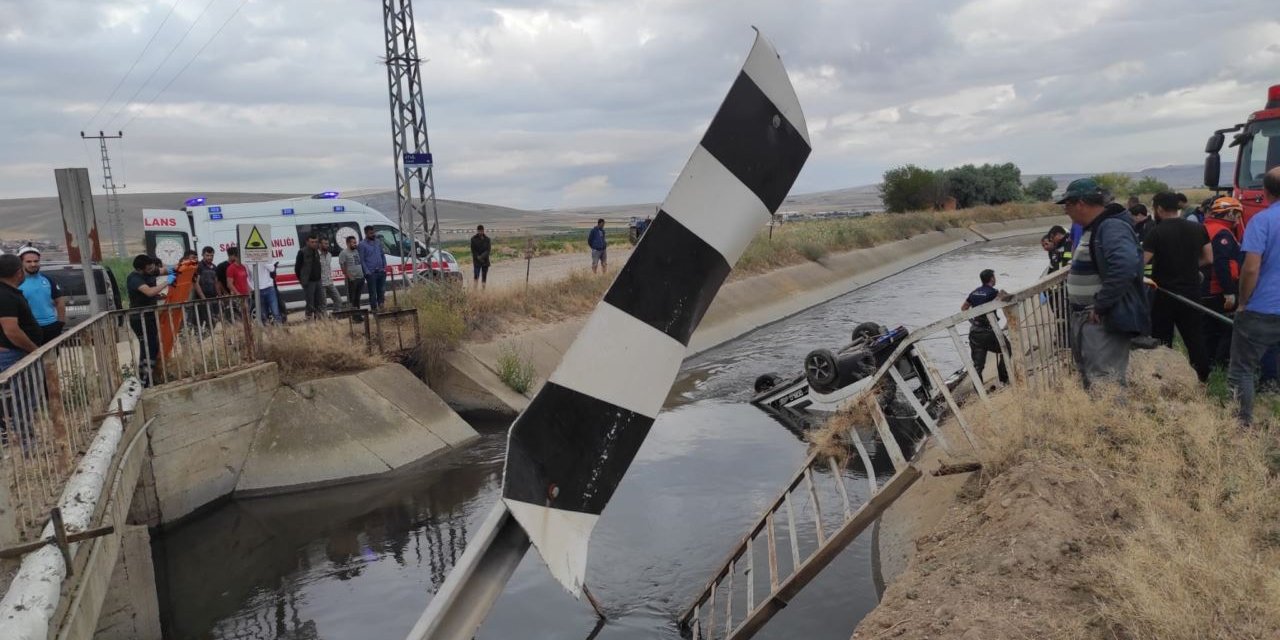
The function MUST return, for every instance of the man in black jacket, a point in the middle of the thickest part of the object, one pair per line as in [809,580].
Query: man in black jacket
[307,266]
[1104,287]
[480,246]
[1176,249]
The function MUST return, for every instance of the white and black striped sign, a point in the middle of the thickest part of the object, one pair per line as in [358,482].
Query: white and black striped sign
[570,448]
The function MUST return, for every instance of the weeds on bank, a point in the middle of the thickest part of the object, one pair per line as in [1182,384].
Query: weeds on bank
[798,242]
[515,369]
[314,349]
[1201,557]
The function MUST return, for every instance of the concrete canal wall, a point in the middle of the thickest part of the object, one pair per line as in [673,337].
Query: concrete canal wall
[247,434]
[470,380]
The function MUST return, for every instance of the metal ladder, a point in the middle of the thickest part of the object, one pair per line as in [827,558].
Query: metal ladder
[712,615]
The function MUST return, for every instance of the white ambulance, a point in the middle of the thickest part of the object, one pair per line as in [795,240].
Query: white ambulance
[169,233]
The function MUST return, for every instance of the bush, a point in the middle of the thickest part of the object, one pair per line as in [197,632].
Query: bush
[1149,185]
[1041,189]
[316,349]
[1114,183]
[514,368]
[911,188]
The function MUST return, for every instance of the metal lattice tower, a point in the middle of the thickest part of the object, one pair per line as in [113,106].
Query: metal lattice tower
[415,187]
[115,217]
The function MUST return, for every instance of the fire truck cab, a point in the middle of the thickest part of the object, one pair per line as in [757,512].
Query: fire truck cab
[1258,140]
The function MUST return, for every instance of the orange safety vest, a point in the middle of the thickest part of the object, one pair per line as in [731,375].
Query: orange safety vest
[1215,226]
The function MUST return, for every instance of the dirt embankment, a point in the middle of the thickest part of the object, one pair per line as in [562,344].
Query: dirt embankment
[1142,514]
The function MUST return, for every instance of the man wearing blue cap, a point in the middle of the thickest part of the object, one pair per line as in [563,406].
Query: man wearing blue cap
[1104,287]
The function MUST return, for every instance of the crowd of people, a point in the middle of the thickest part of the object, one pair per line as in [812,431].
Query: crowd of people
[1204,272]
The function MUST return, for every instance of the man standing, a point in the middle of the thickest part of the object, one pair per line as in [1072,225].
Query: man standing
[236,274]
[373,260]
[1257,323]
[1220,289]
[599,245]
[307,267]
[326,277]
[982,336]
[269,295]
[1142,223]
[43,295]
[1176,249]
[144,292]
[19,331]
[208,287]
[349,262]
[480,246]
[1104,288]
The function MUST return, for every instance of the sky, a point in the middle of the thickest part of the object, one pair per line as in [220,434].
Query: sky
[569,103]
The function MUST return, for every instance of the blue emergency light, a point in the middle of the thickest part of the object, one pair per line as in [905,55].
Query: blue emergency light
[196,201]
[327,195]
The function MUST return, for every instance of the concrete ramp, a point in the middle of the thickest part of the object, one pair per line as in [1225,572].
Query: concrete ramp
[348,427]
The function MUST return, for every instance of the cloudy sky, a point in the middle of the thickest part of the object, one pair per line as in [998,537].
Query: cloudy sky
[552,103]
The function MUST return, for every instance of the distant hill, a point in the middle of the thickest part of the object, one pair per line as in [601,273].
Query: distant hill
[1177,176]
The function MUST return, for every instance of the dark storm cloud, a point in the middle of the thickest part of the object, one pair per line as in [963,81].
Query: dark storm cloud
[562,102]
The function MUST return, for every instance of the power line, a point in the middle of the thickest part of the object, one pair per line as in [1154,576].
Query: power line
[132,66]
[162,63]
[188,64]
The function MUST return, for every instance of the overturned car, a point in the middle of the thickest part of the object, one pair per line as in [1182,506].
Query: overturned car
[830,378]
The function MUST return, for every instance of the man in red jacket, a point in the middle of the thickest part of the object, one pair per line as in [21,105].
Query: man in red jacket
[1222,222]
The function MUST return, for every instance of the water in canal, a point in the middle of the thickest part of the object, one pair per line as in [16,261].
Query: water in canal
[361,561]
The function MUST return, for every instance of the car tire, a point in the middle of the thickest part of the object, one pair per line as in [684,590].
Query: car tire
[822,369]
[765,382]
[867,331]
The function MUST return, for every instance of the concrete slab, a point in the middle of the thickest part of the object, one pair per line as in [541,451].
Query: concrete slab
[400,388]
[193,476]
[396,437]
[469,385]
[190,413]
[296,448]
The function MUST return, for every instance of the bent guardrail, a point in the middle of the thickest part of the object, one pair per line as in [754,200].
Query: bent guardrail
[795,550]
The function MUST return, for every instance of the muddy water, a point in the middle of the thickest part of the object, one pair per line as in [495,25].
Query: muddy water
[360,561]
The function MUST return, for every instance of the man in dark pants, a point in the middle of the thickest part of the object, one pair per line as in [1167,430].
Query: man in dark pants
[1219,292]
[1176,249]
[1257,324]
[307,267]
[982,336]
[480,246]
[144,292]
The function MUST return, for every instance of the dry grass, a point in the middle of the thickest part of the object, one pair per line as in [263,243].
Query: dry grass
[831,439]
[1201,558]
[799,242]
[305,351]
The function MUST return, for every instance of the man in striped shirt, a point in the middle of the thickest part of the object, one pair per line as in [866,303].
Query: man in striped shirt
[1108,305]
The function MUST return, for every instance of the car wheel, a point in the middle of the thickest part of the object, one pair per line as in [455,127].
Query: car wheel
[867,331]
[766,382]
[821,368]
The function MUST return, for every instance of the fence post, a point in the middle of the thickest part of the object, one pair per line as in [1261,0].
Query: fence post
[1017,360]
[247,320]
[57,416]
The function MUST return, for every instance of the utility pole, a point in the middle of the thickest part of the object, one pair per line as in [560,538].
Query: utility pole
[115,218]
[415,180]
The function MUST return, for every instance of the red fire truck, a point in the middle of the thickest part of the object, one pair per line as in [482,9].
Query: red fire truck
[1258,140]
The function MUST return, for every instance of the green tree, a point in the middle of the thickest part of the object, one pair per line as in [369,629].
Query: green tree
[911,188]
[969,185]
[1115,184]
[1148,184]
[1041,189]
[1006,182]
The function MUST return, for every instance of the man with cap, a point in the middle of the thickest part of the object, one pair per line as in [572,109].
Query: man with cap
[44,296]
[1108,305]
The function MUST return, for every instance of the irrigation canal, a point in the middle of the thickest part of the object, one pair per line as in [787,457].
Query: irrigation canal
[359,561]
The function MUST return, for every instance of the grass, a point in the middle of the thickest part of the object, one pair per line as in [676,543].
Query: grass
[513,247]
[1200,556]
[811,241]
[315,349]
[515,369]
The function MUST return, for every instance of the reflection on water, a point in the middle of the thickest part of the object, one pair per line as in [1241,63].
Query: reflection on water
[361,561]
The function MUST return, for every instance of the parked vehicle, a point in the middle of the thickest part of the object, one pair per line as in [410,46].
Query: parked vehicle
[169,233]
[1258,139]
[70,279]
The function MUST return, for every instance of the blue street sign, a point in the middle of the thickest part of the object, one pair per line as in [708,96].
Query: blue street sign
[417,160]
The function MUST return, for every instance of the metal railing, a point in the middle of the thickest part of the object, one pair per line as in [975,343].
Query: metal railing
[383,331]
[53,400]
[786,549]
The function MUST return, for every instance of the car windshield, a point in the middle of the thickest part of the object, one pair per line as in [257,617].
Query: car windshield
[1260,153]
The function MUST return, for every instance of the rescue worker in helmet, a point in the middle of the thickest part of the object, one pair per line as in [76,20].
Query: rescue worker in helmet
[1060,248]
[1222,222]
